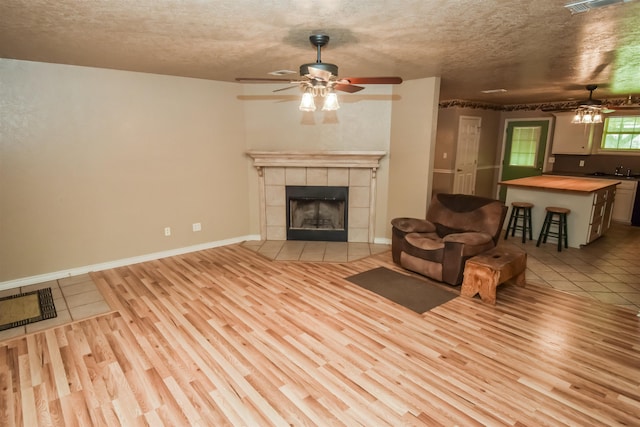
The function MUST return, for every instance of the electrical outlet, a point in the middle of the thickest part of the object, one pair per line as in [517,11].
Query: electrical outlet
[167,231]
[444,155]
[552,159]
[196,226]
[581,163]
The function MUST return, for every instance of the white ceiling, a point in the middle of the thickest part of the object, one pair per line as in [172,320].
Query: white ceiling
[536,50]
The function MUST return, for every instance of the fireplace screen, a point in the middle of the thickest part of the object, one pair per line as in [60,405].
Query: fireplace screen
[317,213]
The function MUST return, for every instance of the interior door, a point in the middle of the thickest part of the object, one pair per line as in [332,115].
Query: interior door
[524,148]
[464,181]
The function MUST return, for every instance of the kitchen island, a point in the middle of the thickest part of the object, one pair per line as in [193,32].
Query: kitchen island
[590,200]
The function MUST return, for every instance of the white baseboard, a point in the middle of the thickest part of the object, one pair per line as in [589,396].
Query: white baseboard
[40,278]
[381,241]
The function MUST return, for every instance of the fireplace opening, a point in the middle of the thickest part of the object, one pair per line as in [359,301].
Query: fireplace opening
[317,213]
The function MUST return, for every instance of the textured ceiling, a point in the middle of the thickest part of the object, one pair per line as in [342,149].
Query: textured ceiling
[536,50]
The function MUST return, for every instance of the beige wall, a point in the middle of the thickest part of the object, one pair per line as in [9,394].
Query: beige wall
[94,164]
[412,149]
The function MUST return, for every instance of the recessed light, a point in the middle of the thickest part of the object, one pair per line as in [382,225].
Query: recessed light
[493,91]
[281,72]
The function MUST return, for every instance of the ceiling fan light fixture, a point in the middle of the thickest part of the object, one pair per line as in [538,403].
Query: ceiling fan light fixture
[330,102]
[587,115]
[577,118]
[589,111]
[307,103]
[597,117]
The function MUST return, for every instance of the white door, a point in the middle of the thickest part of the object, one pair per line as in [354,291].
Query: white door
[464,181]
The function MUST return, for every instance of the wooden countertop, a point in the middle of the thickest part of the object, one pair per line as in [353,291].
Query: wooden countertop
[561,183]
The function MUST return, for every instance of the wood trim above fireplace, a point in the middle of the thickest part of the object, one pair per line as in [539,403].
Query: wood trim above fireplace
[310,159]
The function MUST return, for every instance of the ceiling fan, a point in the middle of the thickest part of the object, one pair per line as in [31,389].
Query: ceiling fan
[590,110]
[321,78]
[587,104]
[611,105]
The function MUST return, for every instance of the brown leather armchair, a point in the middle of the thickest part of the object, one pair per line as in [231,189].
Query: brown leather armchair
[457,227]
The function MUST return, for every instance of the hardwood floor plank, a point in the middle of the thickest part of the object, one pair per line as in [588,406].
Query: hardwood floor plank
[227,337]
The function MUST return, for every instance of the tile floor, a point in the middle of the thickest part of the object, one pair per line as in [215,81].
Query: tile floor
[607,270]
[74,297]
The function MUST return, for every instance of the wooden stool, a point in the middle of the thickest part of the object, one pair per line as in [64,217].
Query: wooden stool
[556,216]
[483,273]
[520,210]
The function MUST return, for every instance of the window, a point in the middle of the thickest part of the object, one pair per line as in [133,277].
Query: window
[621,133]
[524,145]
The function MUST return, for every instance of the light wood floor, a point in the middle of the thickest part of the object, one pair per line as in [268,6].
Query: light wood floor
[228,337]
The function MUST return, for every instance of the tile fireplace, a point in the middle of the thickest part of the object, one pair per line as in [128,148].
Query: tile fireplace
[355,171]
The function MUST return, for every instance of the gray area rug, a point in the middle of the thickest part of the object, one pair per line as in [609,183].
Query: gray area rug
[410,292]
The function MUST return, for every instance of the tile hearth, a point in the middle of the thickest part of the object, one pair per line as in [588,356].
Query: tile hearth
[299,250]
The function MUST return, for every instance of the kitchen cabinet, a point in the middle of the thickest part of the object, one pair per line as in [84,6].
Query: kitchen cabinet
[625,198]
[569,138]
[601,212]
[591,202]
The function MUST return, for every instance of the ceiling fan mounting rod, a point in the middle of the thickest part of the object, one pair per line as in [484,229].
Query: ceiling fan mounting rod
[319,40]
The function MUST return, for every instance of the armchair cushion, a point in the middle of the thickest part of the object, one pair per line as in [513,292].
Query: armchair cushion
[472,238]
[425,241]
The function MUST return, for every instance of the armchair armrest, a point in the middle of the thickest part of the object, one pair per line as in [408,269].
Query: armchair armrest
[413,225]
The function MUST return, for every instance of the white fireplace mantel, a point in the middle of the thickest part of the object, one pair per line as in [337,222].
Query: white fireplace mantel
[276,169]
[310,159]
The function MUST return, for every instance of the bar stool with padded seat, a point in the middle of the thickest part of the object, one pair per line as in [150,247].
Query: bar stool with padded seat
[556,216]
[520,210]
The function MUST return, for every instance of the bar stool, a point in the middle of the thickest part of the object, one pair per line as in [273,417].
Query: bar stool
[520,210]
[556,216]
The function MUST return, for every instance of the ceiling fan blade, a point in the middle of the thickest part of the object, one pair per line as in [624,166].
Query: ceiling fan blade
[347,88]
[372,80]
[319,74]
[261,80]
[286,88]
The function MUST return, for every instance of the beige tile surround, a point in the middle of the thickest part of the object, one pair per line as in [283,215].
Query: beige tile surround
[358,181]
